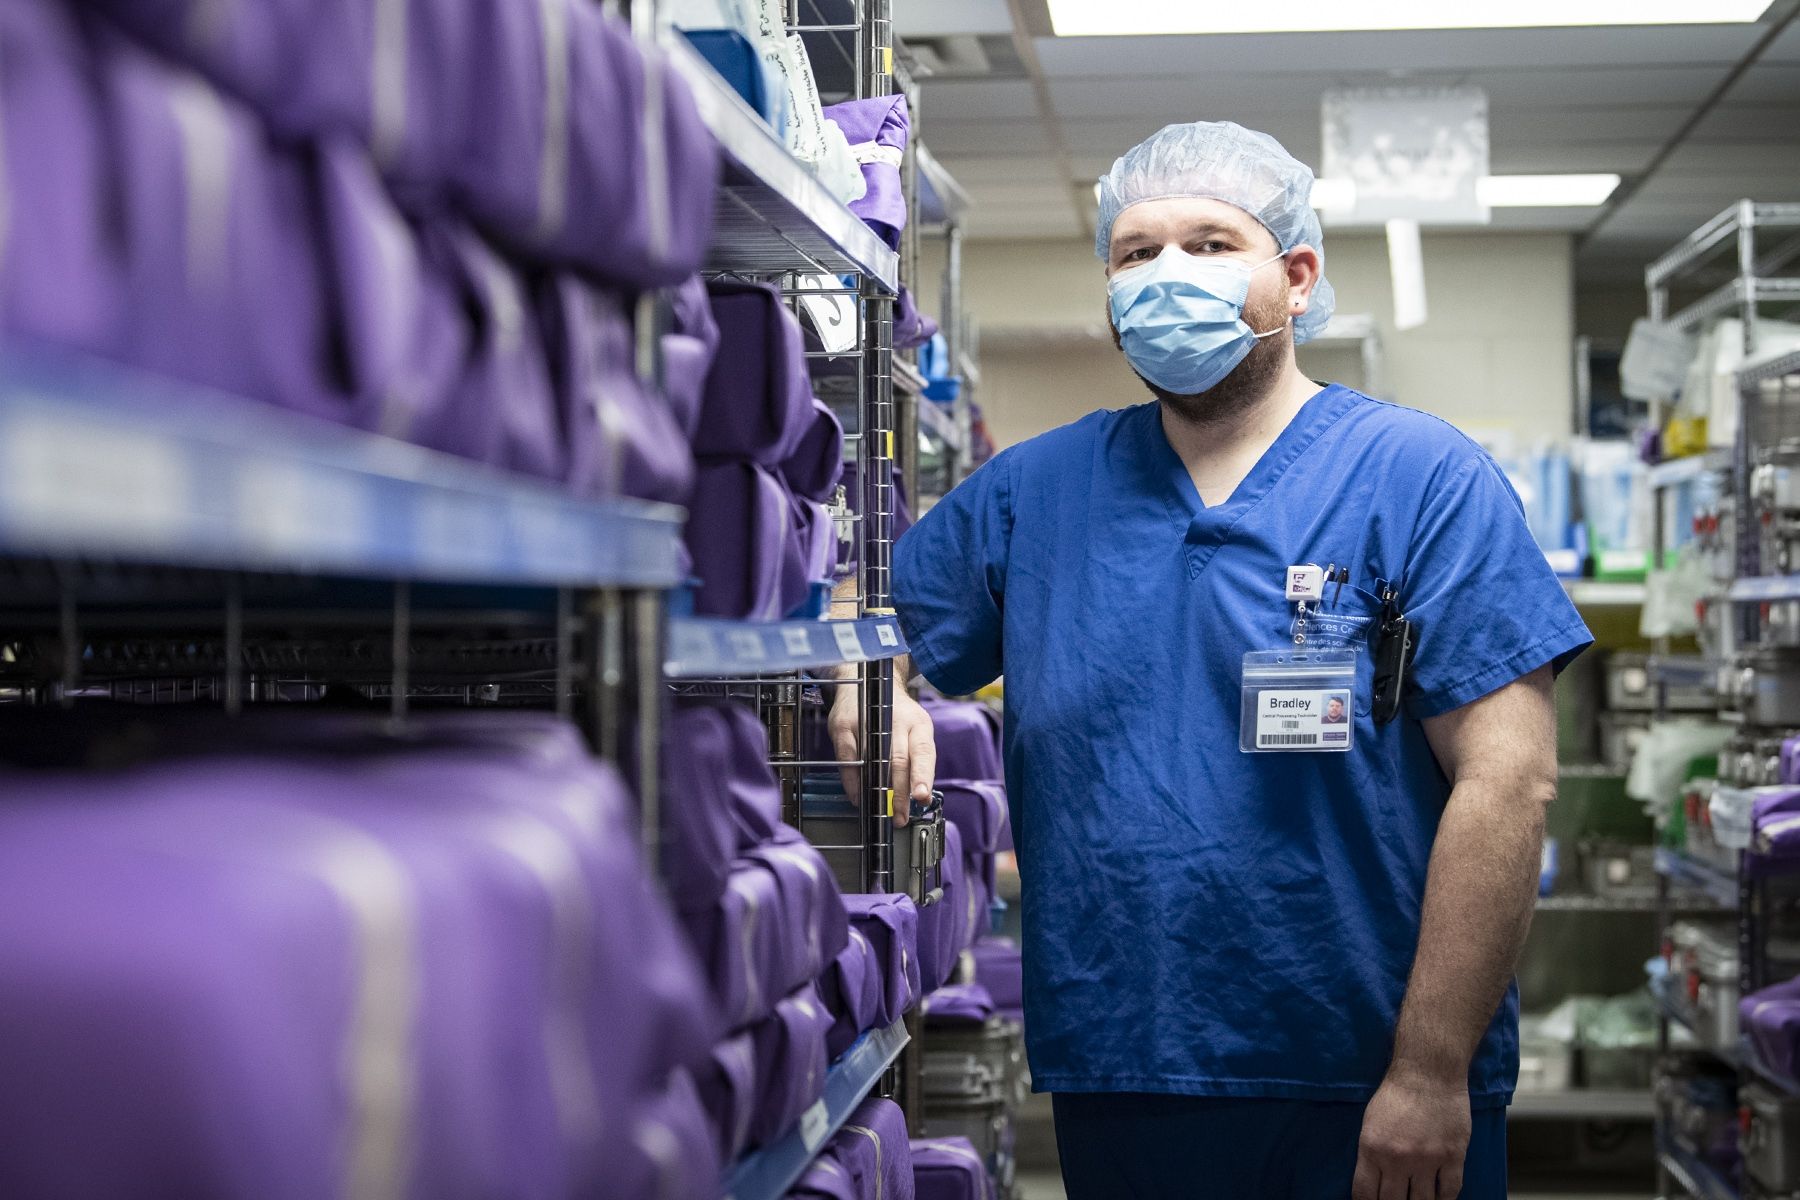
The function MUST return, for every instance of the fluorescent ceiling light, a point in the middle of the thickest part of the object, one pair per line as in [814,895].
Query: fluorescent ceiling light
[1097,18]
[1334,195]
[1495,191]
[1545,191]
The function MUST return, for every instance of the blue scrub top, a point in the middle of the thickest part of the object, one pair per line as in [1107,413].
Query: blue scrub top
[1199,920]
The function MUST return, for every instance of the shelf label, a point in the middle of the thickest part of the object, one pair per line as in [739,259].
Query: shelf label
[690,643]
[548,541]
[815,1123]
[884,633]
[746,645]
[798,640]
[72,478]
[848,643]
[286,509]
[457,532]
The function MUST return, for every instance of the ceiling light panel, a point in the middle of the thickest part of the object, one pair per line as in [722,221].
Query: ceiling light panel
[1101,18]
[1495,191]
[1545,191]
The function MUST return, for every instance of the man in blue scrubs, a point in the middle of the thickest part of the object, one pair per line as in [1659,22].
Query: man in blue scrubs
[1249,974]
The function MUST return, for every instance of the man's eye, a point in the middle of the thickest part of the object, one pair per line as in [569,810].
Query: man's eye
[1214,247]
[1140,254]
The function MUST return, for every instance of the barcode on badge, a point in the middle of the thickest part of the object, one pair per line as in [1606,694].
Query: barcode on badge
[1288,739]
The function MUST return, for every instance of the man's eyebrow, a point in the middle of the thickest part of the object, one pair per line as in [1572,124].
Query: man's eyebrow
[1206,229]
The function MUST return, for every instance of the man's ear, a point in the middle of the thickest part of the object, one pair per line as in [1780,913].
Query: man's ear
[1304,270]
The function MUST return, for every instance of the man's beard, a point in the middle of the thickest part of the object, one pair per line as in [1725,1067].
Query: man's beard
[1249,381]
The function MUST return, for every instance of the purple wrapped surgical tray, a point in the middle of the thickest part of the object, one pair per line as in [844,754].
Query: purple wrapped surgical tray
[63,282]
[758,403]
[621,437]
[790,1053]
[877,129]
[778,925]
[688,350]
[548,122]
[727,1083]
[1771,1020]
[968,739]
[817,463]
[747,553]
[999,968]
[872,1146]
[949,1169]
[959,1004]
[286,967]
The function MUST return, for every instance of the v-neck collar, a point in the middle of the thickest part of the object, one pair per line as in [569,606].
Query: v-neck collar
[1208,528]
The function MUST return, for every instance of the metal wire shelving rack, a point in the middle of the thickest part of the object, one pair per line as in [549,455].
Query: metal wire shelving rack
[1768,400]
[777,223]
[160,545]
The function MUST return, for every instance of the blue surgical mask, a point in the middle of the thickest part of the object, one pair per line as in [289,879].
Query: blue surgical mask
[1181,318]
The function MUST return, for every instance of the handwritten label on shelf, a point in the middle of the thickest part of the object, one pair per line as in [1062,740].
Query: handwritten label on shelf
[797,639]
[815,1123]
[886,636]
[746,644]
[849,645]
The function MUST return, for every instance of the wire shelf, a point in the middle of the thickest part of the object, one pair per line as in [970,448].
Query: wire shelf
[97,462]
[773,215]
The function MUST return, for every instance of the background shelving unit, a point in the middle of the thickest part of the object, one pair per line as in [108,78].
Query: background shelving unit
[1764,389]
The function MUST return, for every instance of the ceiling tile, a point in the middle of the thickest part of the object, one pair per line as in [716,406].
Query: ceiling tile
[1786,48]
[985,99]
[1536,158]
[1003,138]
[939,18]
[1751,124]
[1766,84]
[988,168]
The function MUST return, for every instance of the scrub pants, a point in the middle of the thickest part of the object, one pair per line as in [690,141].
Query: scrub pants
[1134,1146]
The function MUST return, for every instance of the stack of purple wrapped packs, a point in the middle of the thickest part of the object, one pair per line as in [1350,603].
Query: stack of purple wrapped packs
[427,224]
[762,543]
[764,915]
[1775,831]
[1771,1020]
[971,776]
[949,1169]
[875,979]
[353,965]
[870,1158]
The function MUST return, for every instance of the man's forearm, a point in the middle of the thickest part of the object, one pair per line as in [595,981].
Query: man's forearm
[1479,897]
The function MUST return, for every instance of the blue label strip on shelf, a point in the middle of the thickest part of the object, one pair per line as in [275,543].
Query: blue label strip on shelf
[99,462]
[768,1173]
[707,646]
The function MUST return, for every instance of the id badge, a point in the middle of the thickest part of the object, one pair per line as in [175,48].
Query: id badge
[1298,701]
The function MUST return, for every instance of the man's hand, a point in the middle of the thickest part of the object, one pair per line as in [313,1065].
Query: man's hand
[914,748]
[1415,1135]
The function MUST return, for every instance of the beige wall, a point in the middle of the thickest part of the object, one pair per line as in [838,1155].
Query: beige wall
[1494,358]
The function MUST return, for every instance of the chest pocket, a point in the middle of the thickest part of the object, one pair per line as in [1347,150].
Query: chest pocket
[1345,620]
